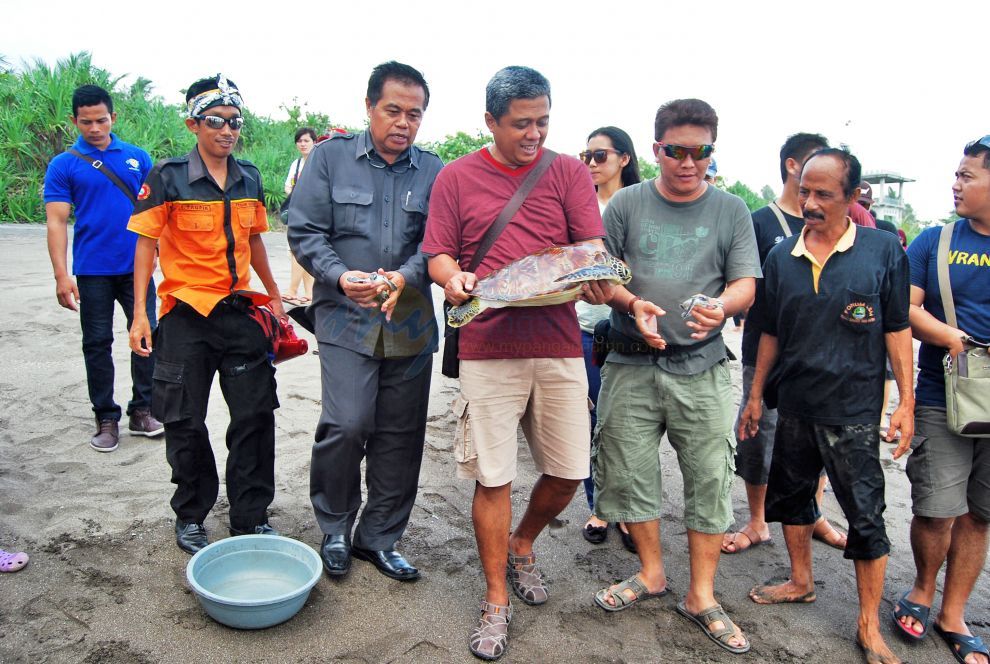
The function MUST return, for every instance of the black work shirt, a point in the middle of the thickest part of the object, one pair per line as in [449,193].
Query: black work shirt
[351,210]
[832,349]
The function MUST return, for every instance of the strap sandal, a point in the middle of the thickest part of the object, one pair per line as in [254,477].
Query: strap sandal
[962,645]
[491,637]
[526,581]
[906,608]
[716,613]
[622,601]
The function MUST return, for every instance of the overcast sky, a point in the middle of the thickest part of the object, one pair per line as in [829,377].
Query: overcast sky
[904,87]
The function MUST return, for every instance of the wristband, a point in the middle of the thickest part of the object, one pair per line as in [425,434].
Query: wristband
[629,307]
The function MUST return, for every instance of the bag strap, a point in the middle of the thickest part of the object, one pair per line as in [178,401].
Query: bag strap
[510,209]
[103,168]
[942,265]
[295,178]
[777,212]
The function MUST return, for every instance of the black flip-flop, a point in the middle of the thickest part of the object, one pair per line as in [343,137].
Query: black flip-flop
[907,608]
[595,534]
[627,540]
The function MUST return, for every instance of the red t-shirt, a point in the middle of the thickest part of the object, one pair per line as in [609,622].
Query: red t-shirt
[562,208]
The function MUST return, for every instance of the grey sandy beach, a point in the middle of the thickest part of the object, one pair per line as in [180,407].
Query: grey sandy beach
[106,582]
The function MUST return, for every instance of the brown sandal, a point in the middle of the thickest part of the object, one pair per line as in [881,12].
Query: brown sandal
[491,637]
[526,580]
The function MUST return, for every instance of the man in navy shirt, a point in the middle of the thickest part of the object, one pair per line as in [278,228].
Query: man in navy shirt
[835,303]
[102,255]
[949,474]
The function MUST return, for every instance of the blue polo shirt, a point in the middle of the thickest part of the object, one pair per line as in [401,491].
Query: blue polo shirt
[969,274]
[101,243]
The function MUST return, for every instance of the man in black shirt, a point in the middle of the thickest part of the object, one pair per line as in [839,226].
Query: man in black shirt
[772,224]
[835,301]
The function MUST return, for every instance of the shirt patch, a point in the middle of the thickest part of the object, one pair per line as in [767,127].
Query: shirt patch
[858,313]
[133,164]
[144,192]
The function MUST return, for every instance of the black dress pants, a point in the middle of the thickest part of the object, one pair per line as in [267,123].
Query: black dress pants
[189,350]
[374,409]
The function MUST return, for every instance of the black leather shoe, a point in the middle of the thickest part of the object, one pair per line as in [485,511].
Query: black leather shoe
[191,537]
[263,529]
[390,563]
[336,555]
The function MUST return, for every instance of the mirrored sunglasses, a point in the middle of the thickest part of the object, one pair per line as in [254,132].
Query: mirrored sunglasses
[682,152]
[217,122]
[985,142]
[600,156]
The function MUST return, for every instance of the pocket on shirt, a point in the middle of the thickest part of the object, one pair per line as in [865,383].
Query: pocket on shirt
[414,224]
[352,210]
[245,212]
[860,312]
[188,220]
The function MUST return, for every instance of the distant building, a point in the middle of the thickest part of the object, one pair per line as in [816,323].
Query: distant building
[887,205]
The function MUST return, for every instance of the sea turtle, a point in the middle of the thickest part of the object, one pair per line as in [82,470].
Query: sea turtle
[549,276]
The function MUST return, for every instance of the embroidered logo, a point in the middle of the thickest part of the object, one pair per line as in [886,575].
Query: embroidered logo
[144,192]
[858,313]
[133,164]
[778,239]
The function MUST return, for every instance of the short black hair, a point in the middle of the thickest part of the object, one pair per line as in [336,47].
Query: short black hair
[90,95]
[305,131]
[975,149]
[854,172]
[204,84]
[511,83]
[624,145]
[395,71]
[798,147]
[682,112]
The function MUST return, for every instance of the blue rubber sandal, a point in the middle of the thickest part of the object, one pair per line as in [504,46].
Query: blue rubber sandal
[962,645]
[906,608]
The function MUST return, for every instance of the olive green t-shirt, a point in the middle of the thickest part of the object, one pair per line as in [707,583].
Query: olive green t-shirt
[676,250]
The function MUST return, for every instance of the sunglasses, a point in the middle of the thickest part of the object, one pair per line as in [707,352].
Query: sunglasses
[682,152]
[217,122]
[600,156]
[985,142]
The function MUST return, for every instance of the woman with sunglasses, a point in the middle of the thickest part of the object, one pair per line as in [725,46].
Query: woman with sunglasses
[305,140]
[611,158]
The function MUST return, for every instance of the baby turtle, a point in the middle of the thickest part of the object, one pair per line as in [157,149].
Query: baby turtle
[550,276]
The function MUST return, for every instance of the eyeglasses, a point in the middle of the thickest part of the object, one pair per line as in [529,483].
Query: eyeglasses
[397,167]
[985,142]
[217,122]
[598,155]
[682,152]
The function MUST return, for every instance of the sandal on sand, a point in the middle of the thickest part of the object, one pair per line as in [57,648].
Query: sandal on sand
[735,545]
[721,637]
[12,562]
[830,536]
[526,580]
[594,534]
[905,608]
[490,638]
[291,299]
[622,601]
[759,595]
[962,645]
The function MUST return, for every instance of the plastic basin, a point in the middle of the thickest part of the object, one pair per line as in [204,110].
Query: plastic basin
[254,581]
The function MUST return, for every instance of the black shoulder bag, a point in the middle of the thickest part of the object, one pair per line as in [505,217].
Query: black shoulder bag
[450,366]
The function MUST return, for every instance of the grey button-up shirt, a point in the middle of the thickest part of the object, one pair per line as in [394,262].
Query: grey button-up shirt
[352,211]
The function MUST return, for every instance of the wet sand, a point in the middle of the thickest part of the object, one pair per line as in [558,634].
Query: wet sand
[106,582]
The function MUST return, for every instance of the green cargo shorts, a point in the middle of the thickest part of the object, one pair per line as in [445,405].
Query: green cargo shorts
[636,406]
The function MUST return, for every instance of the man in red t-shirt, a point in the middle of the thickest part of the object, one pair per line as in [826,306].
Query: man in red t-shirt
[517,365]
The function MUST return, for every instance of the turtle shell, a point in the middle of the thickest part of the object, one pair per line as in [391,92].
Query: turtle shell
[537,275]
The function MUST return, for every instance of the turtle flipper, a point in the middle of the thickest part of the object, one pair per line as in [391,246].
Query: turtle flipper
[465,313]
[590,273]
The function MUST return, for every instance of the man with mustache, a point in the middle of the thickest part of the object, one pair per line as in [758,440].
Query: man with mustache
[835,302]
[205,213]
[355,223]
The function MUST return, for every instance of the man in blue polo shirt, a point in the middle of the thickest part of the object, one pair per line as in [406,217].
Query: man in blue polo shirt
[100,176]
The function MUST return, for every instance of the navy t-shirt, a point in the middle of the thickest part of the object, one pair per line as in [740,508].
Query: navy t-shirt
[768,234]
[832,346]
[969,274]
[101,243]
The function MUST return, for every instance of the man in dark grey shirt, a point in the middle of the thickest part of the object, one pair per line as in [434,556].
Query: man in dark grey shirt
[355,223]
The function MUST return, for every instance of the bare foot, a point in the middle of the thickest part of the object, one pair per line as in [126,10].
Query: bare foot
[876,649]
[783,594]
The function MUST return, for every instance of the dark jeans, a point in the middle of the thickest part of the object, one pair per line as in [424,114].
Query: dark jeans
[96,297]
[373,409]
[850,454]
[594,387]
[191,349]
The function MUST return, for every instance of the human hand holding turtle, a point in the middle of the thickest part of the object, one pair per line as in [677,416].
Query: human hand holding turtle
[705,317]
[597,292]
[458,288]
[391,279]
[360,288]
[646,315]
